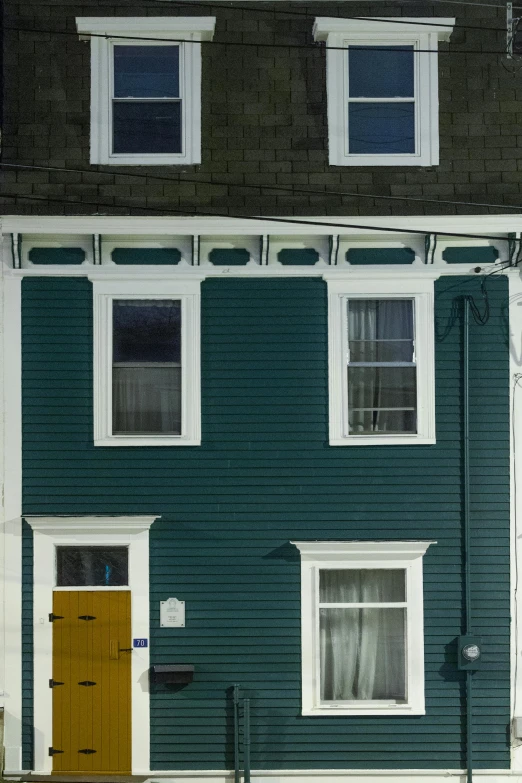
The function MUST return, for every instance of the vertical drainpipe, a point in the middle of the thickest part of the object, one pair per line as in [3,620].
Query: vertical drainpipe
[466,525]
[235,694]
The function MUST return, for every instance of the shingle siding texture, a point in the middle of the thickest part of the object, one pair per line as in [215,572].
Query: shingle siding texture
[265,475]
[263,118]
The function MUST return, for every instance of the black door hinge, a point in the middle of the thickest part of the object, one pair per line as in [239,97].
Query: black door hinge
[87,682]
[86,617]
[53,617]
[54,683]
[87,751]
[53,751]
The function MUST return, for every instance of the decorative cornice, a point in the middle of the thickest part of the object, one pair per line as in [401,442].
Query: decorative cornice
[105,524]
[320,225]
[377,550]
[443,26]
[145,26]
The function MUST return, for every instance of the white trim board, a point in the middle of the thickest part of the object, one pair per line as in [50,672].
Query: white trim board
[134,533]
[515,361]
[338,775]
[332,775]
[12,523]
[281,225]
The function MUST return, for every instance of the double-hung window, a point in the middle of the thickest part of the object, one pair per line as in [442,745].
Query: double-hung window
[146,88]
[146,363]
[382,88]
[381,363]
[362,627]
[147,103]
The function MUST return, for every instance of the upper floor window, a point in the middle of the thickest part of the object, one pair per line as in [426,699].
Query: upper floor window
[382,88]
[146,94]
[146,364]
[381,362]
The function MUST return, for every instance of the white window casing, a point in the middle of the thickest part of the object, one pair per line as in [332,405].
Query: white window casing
[188,293]
[187,32]
[339,555]
[423,36]
[418,289]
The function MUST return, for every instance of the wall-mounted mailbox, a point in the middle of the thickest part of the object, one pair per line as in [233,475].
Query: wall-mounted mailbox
[172,673]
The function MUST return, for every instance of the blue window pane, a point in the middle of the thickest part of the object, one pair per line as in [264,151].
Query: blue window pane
[381,128]
[146,330]
[152,127]
[381,72]
[146,72]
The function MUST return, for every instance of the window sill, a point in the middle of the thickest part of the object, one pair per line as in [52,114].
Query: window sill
[393,709]
[132,440]
[381,440]
[146,160]
[382,160]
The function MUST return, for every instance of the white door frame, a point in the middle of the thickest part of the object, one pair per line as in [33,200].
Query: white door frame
[88,531]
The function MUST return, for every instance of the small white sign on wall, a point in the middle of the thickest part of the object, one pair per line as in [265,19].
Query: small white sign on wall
[172,613]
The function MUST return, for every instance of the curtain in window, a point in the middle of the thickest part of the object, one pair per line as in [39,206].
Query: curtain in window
[146,374]
[381,373]
[362,650]
[146,399]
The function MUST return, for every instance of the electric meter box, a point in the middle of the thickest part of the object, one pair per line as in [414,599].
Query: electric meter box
[469,653]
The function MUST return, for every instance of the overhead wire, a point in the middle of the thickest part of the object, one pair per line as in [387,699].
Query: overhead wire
[268,219]
[279,188]
[272,11]
[315,46]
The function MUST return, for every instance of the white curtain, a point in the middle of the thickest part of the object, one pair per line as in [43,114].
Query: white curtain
[381,398]
[146,382]
[362,649]
[146,398]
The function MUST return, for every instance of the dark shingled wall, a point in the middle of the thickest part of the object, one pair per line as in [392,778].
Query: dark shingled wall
[264,118]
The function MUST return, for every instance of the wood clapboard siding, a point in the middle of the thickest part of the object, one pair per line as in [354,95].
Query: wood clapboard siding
[266,475]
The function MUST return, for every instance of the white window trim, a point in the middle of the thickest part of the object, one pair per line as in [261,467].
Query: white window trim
[191,31]
[50,532]
[421,291]
[186,291]
[343,32]
[362,554]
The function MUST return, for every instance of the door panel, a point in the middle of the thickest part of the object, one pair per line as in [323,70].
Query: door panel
[92,708]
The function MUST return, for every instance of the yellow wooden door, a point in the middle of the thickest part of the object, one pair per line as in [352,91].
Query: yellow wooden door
[91,682]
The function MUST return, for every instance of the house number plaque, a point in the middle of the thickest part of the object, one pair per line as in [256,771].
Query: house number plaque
[172,613]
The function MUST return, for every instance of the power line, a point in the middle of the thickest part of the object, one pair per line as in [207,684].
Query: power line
[296,221]
[281,188]
[234,7]
[313,46]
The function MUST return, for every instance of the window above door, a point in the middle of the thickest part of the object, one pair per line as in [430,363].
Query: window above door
[382,89]
[146,93]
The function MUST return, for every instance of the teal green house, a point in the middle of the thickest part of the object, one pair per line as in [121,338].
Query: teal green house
[265,503]
[260,392]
